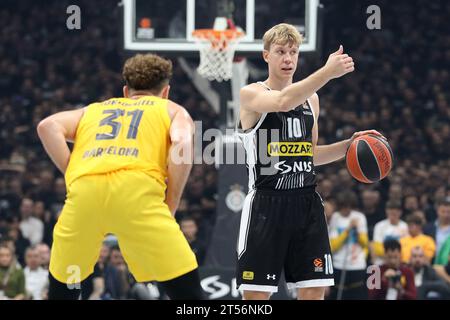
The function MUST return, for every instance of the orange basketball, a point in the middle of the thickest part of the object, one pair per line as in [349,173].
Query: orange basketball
[369,158]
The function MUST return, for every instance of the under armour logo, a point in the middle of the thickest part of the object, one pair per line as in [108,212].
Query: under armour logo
[271,276]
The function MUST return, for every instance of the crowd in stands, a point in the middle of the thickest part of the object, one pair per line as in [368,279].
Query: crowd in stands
[403,222]
[47,68]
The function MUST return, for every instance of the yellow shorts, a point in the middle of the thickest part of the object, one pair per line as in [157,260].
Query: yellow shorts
[130,205]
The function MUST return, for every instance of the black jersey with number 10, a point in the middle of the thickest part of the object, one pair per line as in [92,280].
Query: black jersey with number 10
[279,149]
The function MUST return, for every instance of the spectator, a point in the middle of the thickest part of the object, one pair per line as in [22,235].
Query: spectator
[44,255]
[112,280]
[31,227]
[138,291]
[190,229]
[329,208]
[417,239]
[444,271]
[371,206]
[325,188]
[44,190]
[429,285]
[439,230]
[129,288]
[10,197]
[36,277]
[421,214]
[349,245]
[204,219]
[444,253]
[12,278]
[195,189]
[93,287]
[8,242]
[391,228]
[41,212]
[59,196]
[411,204]
[115,273]
[397,280]
[97,286]
[3,224]
[103,257]
[20,243]
[395,192]
[437,196]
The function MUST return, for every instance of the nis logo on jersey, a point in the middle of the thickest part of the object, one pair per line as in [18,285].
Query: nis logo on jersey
[290,149]
[300,166]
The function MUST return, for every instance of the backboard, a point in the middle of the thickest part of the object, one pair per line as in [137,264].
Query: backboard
[167,26]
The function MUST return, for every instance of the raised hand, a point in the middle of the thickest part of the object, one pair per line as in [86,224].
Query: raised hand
[339,64]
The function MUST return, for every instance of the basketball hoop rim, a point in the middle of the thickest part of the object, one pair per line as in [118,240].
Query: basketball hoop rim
[210,34]
[216,48]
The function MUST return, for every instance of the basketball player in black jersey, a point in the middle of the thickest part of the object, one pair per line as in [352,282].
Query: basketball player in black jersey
[283,223]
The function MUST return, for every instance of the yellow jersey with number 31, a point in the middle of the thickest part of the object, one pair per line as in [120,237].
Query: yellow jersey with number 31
[122,134]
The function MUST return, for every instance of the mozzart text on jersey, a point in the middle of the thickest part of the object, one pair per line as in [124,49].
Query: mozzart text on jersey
[290,149]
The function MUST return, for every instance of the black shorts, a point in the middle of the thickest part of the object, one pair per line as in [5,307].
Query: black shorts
[283,229]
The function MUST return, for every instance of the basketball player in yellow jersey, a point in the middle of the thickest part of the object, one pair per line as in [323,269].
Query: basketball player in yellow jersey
[126,174]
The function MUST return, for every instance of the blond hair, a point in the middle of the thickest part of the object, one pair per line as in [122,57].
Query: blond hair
[147,72]
[282,33]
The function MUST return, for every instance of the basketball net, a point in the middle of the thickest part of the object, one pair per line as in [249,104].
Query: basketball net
[217,48]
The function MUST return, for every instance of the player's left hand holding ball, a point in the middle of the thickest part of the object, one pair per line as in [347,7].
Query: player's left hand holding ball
[365,132]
